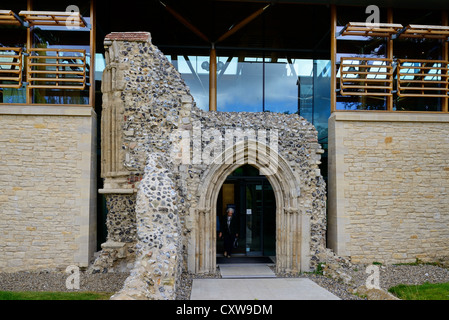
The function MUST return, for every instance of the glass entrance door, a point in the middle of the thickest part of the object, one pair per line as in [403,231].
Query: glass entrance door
[260,219]
[254,218]
[253,198]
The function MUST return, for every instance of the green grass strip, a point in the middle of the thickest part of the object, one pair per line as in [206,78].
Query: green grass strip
[426,291]
[8,295]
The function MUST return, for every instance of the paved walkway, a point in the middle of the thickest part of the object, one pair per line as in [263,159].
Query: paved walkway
[256,282]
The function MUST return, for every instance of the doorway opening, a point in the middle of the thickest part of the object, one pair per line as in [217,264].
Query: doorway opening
[253,200]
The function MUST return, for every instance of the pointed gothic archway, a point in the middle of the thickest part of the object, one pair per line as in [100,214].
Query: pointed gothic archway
[292,224]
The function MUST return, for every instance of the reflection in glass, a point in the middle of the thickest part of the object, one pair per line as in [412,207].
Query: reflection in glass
[281,86]
[195,72]
[240,85]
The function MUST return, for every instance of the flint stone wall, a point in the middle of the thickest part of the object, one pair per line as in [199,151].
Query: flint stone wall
[147,108]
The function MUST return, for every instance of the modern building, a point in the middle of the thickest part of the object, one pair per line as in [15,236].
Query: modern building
[90,94]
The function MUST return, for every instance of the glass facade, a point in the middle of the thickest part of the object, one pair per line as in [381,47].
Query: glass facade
[55,58]
[405,97]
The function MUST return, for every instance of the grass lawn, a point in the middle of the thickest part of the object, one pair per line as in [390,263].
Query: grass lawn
[7,295]
[426,291]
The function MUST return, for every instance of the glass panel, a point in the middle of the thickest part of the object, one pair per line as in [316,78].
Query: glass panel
[12,37]
[195,72]
[62,37]
[240,84]
[66,66]
[12,88]
[281,86]
[314,93]
[253,219]
[321,99]
[420,49]
[269,220]
[357,46]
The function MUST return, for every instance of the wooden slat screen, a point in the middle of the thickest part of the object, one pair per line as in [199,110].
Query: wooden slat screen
[11,67]
[425,31]
[364,29]
[423,78]
[7,17]
[56,69]
[366,76]
[51,18]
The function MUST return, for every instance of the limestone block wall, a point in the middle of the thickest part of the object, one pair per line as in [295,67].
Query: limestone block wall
[47,187]
[389,184]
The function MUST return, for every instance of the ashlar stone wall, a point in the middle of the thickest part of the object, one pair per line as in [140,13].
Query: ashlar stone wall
[47,187]
[389,184]
[164,161]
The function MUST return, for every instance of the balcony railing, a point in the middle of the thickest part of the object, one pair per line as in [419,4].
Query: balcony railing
[56,69]
[366,76]
[376,77]
[11,67]
[419,78]
[45,76]
[387,83]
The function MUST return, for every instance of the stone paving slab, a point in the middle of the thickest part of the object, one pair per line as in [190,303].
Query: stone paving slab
[259,289]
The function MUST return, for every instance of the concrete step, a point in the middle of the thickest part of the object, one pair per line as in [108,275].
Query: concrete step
[245,271]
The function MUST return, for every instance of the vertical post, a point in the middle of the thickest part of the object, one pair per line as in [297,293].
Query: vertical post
[92,54]
[445,55]
[29,92]
[390,56]
[333,58]
[213,79]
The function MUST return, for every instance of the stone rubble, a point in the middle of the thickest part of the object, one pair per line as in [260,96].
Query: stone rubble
[391,275]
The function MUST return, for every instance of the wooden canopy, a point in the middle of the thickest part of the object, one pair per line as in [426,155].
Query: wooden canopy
[424,31]
[394,31]
[7,17]
[53,18]
[365,29]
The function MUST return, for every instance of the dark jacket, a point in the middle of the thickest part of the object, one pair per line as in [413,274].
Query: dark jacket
[234,226]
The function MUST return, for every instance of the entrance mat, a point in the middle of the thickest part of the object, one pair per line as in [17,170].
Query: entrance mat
[242,260]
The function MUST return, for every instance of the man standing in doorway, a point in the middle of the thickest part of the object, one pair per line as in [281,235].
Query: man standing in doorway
[229,231]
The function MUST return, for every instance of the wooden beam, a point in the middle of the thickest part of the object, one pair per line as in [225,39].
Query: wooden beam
[7,17]
[390,55]
[213,80]
[29,91]
[333,58]
[186,23]
[364,29]
[241,24]
[445,56]
[93,49]
[51,18]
